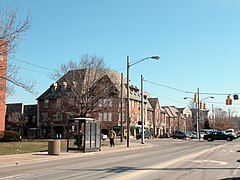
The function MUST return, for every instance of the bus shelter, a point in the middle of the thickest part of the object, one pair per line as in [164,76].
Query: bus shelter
[84,134]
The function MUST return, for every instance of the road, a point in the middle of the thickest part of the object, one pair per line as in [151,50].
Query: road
[165,159]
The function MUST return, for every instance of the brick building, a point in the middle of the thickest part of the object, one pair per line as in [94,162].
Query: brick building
[22,118]
[3,66]
[52,120]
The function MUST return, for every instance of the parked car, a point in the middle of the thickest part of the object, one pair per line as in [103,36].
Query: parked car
[231,131]
[179,135]
[203,133]
[166,135]
[147,134]
[191,135]
[218,136]
[104,137]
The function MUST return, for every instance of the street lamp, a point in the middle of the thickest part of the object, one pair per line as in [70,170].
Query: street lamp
[128,98]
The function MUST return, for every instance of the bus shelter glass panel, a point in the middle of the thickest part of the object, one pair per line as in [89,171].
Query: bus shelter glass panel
[84,134]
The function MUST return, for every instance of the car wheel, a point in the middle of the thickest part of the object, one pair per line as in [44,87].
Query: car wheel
[229,139]
[174,137]
[209,139]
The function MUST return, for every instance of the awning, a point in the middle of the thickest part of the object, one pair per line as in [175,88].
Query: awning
[117,127]
[137,127]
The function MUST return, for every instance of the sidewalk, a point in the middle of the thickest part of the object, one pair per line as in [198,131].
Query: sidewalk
[17,159]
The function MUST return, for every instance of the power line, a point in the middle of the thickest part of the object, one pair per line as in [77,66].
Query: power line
[176,89]
[33,70]
[191,92]
[35,65]
[219,94]
[180,102]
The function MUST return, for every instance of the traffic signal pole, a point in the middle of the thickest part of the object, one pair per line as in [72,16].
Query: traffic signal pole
[198,114]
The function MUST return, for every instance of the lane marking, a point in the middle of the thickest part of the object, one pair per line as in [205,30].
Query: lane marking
[14,176]
[235,171]
[165,164]
[221,163]
[134,155]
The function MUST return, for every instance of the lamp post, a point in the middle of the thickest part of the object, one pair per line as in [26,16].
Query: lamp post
[142,110]
[128,98]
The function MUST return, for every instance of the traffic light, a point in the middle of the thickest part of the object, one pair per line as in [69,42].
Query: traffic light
[200,105]
[195,98]
[204,105]
[228,100]
[235,97]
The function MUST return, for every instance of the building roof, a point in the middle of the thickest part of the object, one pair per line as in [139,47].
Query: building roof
[30,110]
[153,102]
[174,111]
[163,110]
[168,111]
[55,90]
[14,108]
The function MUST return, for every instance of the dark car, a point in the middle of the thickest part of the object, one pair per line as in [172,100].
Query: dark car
[218,136]
[147,134]
[179,135]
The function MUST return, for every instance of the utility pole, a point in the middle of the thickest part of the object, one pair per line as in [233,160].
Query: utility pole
[121,101]
[128,108]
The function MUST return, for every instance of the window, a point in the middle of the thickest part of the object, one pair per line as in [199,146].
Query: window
[105,103]
[100,116]
[45,117]
[110,102]
[58,102]
[100,102]
[57,116]
[109,116]
[105,116]
[46,103]
[123,116]
[34,119]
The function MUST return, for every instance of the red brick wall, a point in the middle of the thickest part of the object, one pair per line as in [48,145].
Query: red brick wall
[3,62]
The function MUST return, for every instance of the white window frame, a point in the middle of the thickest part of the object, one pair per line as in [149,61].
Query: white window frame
[105,116]
[109,116]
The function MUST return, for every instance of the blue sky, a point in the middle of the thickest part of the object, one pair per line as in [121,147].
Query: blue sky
[198,42]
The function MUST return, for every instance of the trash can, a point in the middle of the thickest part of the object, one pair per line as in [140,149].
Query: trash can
[54,147]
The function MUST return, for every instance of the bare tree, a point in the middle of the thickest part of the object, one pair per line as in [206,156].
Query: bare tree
[221,121]
[85,87]
[16,120]
[11,34]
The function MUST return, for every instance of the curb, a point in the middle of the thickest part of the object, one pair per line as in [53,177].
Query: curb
[20,159]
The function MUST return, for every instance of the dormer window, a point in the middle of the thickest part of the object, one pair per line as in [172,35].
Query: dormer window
[64,85]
